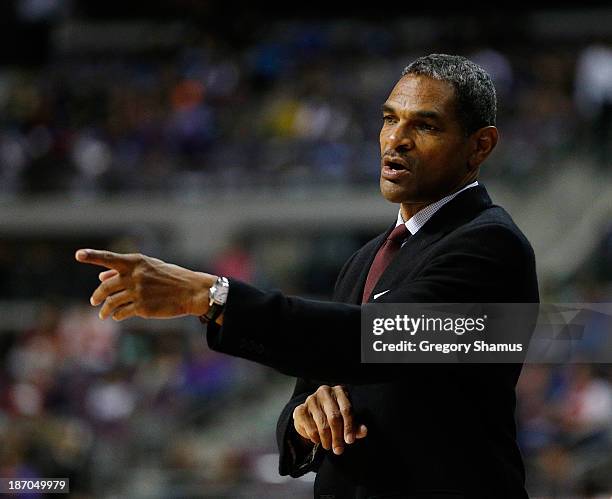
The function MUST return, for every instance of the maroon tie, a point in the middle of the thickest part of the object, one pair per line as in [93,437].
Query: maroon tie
[383,258]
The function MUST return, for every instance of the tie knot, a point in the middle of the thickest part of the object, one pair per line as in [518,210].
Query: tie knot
[399,233]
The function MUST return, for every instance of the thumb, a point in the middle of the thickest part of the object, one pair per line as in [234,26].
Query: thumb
[362,431]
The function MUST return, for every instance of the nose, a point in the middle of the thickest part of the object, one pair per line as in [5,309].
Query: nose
[400,139]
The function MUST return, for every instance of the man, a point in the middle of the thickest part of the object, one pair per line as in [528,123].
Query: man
[384,431]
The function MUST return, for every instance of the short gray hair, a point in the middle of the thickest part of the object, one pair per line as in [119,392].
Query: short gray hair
[474,90]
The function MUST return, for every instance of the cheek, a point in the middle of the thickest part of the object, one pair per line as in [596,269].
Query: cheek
[438,151]
[383,139]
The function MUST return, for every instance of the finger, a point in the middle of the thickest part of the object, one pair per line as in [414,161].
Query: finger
[107,259]
[362,431]
[346,411]
[113,302]
[301,431]
[334,420]
[107,274]
[320,420]
[298,417]
[107,288]
[303,419]
[125,312]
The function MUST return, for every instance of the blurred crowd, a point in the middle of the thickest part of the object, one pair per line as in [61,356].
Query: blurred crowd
[299,105]
[564,412]
[120,409]
[565,428]
[81,401]
[126,410]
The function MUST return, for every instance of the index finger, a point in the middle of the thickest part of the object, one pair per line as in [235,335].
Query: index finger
[108,259]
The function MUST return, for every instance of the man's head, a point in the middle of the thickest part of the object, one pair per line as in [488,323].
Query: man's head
[438,127]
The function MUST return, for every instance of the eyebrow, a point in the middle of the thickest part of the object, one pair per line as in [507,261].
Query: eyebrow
[387,108]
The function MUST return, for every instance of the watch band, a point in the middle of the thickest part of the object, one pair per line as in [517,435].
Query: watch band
[217,298]
[214,311]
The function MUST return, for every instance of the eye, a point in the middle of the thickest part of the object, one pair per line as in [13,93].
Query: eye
[426,126]
[388,119]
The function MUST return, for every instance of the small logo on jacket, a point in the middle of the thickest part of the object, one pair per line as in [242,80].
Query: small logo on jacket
[381,293]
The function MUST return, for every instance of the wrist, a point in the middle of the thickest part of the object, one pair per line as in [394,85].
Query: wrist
[217,296]
[200,299]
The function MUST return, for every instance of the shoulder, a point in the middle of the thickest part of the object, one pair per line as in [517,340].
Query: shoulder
[485,259]
[492,231]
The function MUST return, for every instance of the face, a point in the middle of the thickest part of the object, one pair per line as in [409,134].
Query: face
[425,154]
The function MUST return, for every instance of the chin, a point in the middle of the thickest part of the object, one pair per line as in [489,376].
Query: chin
[393,193]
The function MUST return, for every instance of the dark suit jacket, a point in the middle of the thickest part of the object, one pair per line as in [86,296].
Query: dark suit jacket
[443,430]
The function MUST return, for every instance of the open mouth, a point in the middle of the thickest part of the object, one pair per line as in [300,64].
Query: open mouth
[394,169]
[394,165]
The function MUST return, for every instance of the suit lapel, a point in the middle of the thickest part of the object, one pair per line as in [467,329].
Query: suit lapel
[353,283]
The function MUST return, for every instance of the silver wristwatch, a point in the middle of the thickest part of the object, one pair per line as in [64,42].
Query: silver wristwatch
[217,297]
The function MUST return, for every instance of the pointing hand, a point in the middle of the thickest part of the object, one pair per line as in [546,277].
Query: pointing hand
[141,286]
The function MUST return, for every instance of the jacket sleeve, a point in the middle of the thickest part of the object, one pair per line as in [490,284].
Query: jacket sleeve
[296,459]
[286,332]
[321,340]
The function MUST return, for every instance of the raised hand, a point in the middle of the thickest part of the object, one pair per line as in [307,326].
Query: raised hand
[140,286]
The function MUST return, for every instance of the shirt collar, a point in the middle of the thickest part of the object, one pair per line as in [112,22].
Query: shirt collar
[420,218]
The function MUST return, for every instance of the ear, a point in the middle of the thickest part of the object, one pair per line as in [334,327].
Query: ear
[482,141]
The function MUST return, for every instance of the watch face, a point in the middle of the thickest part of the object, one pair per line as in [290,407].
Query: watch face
[218,292]
[221,296]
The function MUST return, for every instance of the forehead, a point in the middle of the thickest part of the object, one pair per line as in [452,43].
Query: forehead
[419,92]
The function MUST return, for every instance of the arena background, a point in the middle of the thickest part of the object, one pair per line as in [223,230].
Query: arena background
[243,141]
